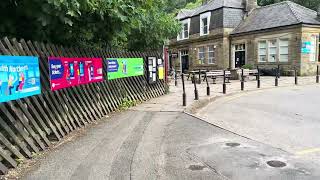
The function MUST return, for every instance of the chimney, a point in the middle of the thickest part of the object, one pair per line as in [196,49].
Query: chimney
[250,5]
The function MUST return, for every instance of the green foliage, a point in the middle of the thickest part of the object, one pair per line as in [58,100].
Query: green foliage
[88,23]
[126,103]
[248,66]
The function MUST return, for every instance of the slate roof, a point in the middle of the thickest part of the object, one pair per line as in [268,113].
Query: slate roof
[281,14]
[211,5]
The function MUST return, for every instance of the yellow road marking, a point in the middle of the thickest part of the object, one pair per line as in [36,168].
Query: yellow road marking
[308,151]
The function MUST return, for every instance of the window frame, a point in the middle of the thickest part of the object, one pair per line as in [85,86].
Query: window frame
[202,60]
[282,46]
[266,51]
[214,54]
[207,16]
[181,35]
[277,48]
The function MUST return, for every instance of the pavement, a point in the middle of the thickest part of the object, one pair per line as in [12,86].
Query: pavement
[241,135]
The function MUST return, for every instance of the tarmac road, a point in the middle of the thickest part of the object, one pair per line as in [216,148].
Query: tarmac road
[149,144]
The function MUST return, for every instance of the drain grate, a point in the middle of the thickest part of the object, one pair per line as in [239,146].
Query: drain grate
[196,167]
[232,144]
[276,164]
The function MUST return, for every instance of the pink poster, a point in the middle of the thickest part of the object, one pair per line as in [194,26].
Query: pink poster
[67,72]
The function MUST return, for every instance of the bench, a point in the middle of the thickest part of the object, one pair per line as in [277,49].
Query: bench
[196,72]
[217,73]
[248,72]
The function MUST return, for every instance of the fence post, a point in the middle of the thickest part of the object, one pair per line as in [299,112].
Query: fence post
[295,76]
[242,80]
[184,96]
[317,74]
[224,86]
[175,78]
[196,95]
[208,87]
[258,77]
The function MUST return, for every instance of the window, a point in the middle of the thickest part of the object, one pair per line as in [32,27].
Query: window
[262,51]
[201,55]
[211,54]
[204,23]
[313,48]
[284,50]
[272,52]
[204,27]
[184,34]
[185,31]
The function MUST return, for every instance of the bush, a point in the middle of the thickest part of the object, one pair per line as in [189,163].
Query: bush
[248,66]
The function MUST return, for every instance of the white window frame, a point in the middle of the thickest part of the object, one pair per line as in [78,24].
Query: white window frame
[313,52]
[212,60]
[203,16]
[266,52]
[181,35]
[277,48]
[202,60]
[283,46]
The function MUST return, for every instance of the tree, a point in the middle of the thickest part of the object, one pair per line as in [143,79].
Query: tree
[88,23]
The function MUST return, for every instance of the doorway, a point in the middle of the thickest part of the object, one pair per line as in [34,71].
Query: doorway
[184,55]
[240,55]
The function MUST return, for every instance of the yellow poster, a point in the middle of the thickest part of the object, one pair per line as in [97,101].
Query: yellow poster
[161,72]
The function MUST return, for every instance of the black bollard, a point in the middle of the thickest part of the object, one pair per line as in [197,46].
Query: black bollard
[184,96]
[242,80]
[317,74]
[199,76]
[258,77]
[224,86]
[295,76]
[196,95]
[208,87]
[175,78]
[276,82]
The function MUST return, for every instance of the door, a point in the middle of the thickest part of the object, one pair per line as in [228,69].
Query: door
[240,55]
[184,61]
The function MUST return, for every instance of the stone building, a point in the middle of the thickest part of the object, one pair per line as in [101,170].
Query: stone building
[225,34]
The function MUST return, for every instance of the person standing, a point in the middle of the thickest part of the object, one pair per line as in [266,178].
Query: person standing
[10,84]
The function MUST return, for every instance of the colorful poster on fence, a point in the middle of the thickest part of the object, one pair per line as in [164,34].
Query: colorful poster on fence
[67,72]
[124,67]
[19,77]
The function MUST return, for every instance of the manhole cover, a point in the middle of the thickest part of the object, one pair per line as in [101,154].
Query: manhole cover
[276,164]
[196,167]
[232,144]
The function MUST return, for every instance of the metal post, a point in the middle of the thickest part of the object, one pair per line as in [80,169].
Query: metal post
[276,82]
[224,87]
[199,76]
[295,76]
[184,96]
[196,95]
[278,70]
[208,87]
[175,78]
[242,80]
[258,77]
[317,73]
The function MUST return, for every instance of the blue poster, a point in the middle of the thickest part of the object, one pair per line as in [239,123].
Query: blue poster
[19,77]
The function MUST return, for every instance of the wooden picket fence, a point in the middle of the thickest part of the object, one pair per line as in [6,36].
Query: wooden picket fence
[32,124]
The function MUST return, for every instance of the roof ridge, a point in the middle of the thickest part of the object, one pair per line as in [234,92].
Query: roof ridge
[293,11]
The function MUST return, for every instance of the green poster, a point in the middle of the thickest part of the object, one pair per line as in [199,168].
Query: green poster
[124,67]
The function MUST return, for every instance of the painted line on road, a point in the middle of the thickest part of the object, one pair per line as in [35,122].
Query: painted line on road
[308,151]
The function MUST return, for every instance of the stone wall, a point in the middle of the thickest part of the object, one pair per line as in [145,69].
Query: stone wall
[293,34]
